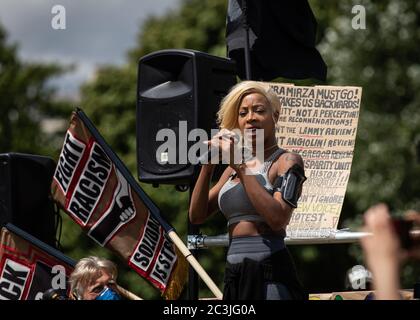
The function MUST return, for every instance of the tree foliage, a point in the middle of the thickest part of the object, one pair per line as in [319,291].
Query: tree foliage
[110,101]
[25,99]
[383,59]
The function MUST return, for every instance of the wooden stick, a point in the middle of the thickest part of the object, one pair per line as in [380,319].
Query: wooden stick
[127,294]
[194,263]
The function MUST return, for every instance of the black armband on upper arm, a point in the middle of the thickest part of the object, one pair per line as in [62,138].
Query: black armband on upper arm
[289,184]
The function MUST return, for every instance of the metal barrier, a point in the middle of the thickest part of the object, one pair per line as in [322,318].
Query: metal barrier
[336,237]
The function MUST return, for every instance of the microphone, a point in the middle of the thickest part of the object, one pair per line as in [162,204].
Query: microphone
[214,151]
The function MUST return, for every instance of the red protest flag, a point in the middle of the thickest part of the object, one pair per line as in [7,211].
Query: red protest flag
[29,267]
[97,191]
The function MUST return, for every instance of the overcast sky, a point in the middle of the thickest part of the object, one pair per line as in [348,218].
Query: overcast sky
[97,32]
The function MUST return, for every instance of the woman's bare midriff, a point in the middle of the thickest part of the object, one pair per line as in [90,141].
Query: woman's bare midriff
[252,228]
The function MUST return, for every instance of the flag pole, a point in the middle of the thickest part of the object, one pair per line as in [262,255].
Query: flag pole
[127,294]
[195,264]
[153,208]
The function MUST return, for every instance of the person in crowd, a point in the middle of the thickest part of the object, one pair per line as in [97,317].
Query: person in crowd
[383,251]
[94,278]
[257,194]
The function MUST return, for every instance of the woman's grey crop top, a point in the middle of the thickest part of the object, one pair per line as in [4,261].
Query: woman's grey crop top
[233,200]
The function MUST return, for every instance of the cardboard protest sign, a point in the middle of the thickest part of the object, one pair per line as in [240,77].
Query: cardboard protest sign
[320,124]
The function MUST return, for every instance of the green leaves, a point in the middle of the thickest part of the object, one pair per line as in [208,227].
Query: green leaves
[26,100]
[383,59]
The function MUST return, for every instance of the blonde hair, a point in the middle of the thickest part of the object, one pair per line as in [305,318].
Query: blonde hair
[227,116]
[88,270]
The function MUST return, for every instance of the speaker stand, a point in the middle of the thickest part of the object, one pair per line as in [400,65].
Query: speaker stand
[248,73]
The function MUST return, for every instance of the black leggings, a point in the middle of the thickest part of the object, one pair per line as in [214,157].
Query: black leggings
[274,277]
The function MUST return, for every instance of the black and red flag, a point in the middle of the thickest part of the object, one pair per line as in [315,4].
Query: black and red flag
[97,191]
[29,267]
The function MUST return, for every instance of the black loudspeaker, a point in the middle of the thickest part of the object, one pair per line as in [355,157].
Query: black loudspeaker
[174,86]
[25,200]
[289,51]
